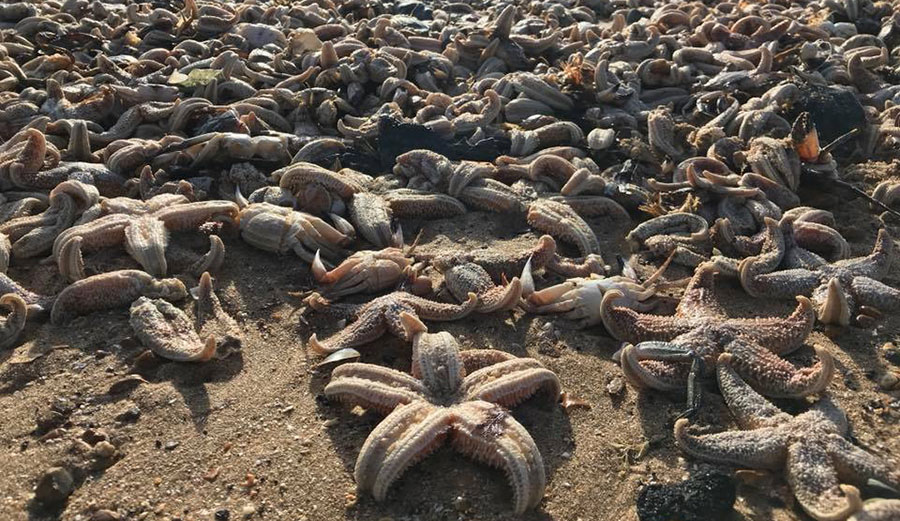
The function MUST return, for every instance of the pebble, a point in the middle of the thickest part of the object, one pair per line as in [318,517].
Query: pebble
[248,510]
[105,449]
[105,515]
[222,515]
[891,353]
[129,415]
[55,486]
[889,381]
[171,445]
[615,386]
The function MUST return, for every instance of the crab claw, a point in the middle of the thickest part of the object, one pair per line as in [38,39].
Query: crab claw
[527,279]
[318,268]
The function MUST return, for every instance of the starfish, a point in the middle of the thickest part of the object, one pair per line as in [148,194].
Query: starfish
[819,461]
[14,323]
[838,289]
[700,330]
[169,333]
[460,395]
[382,314]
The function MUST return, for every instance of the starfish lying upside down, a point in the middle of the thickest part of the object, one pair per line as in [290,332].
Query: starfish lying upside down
[674,350]
[460,395]
[817,458]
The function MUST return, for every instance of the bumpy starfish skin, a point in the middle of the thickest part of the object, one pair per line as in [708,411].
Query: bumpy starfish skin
[701,326]
[838,289]
[469,277]
[14,323]
[168,331]
[112,290]
[561,220]
[382,315]
[878,510]
[811,447]
[462,396]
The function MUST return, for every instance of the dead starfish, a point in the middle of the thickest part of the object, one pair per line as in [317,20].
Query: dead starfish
[838,290]
[561,220]
[460,395]
[464,279]
[169,333]
[700,330]
[112,290]
[382,314]
[817,458]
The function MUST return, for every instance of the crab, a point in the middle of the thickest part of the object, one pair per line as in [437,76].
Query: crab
[279,229]
[368,271]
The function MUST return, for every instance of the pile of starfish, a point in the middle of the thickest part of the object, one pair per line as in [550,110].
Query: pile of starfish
[465,396]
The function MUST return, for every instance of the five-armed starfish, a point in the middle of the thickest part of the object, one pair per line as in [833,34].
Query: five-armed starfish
[700,330]
[817,459]
[381,315]
[460,395]
[838,289]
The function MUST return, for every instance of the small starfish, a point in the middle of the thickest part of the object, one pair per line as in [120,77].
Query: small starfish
[560,219]
[382,314]
[811,447]
[838,289]
[169,333]
[700,330]
[460,395]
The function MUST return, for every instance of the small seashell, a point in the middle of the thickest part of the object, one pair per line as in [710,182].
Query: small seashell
[601,138]
[341,356]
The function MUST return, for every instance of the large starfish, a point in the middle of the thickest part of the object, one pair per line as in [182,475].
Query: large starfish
[382,314]
[700,330]
[817,458]
[838,290]
[460,395]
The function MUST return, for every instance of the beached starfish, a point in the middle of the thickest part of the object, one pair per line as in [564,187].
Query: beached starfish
[14,322]
[464,279]
[381,315]
[673,350]
[878,510]
[839,290]
[460,395]
[818,460]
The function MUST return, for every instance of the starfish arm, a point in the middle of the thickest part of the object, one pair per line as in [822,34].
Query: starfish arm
[699,297]
[815,484]
[874,265]
[630,326]
[476,359]
[870,292]
[776,377]
[407,435]
[488,433]
[763,448]
[855,465]
[749,407]
[501,298]
[878,510]
[373,387]
[510,383]
[780,284]
[647,365]
[779,335]
[431,310]
[368,327]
